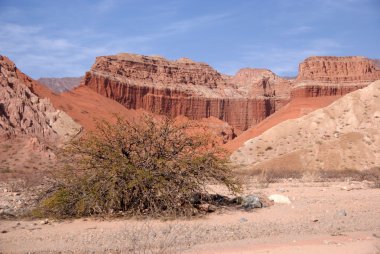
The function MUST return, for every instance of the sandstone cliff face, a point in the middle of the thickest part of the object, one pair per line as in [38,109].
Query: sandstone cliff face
[330,76]
[254,82]
[316,89]
[196,90]
[338,69]
[184,87]
[22,112]
[238,112]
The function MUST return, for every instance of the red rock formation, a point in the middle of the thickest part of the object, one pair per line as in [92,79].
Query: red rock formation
[195,90]
[318,90]
[186,88]
[261,82]
[330,76]
[338,69]
[23,112]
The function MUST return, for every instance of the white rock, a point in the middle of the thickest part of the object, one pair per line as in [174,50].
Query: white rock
[280,199]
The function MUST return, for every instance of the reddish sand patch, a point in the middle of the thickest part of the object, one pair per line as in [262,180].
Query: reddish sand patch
[294,109]
[85,106]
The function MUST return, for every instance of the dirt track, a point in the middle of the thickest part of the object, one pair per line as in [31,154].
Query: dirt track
[339,217]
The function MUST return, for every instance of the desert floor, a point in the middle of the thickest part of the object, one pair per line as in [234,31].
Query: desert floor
[323,217]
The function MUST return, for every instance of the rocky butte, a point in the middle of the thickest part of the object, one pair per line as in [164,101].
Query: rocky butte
[188,88]
[329,75]
[321,81]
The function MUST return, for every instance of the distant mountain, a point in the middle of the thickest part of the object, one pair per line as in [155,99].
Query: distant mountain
[60,85]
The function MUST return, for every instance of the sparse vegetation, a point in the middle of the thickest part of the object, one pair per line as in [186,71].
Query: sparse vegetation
[152,167]
[264,176]
[6,147]
[5,170]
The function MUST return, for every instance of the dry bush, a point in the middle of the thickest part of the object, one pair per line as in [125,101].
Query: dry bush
[266,176]
[270,175]
[150,167]
[311,176]
[263,179]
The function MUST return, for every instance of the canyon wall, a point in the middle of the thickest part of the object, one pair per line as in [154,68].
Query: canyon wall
[331,76]
[303,90]
[184,87]
[196,90]
[338,69]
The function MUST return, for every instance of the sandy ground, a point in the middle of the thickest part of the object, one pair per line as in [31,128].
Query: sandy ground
[323,217]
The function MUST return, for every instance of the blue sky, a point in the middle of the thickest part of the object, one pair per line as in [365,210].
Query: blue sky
[47,38]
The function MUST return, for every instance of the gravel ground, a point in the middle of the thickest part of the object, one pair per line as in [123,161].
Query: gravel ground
[329,208]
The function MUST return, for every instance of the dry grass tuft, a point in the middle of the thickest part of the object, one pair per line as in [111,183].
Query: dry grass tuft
[266,176]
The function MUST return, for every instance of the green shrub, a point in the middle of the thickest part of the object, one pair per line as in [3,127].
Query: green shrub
[149,167]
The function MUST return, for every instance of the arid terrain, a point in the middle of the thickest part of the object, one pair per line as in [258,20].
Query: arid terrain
[323,217]
[312,142]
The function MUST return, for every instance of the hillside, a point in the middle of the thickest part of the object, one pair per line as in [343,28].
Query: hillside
[22,112]
[344,135]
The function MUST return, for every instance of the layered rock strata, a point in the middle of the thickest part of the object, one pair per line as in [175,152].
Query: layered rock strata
[338,69]
[184,87]
[330,76]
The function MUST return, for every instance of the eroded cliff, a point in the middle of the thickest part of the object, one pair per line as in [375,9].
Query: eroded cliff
[330,76]
[184,87]
[196,90]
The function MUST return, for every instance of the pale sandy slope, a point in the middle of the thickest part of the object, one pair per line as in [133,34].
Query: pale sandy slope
[296,108]
[344,135]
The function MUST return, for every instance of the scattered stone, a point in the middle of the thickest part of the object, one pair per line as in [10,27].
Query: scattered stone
[242,219]
[212,208]
[250,202]
[44,222]
[342,213]
[4,231]
[280,199]
[207,208]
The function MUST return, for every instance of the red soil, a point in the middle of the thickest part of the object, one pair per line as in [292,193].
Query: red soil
[85,106]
